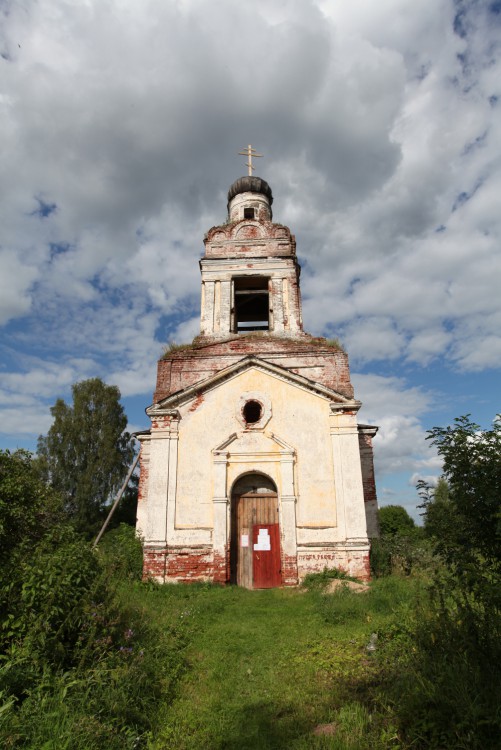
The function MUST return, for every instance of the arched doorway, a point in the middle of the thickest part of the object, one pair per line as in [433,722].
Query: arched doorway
[255,559]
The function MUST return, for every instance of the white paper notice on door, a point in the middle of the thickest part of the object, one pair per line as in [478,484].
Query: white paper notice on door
[244,542]
[263,540]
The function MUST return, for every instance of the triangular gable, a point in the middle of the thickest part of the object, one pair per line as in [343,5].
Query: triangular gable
[186,394]
[238,443]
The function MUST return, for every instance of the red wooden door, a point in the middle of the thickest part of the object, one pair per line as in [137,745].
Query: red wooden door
[266,573]
[252,510]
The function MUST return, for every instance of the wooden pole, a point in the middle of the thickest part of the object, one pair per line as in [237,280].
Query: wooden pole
[117,500]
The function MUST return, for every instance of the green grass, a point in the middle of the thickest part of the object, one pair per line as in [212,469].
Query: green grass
[262,669]
[92,658]
[223,668]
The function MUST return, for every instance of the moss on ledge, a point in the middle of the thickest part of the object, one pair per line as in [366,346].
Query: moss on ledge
[199,342]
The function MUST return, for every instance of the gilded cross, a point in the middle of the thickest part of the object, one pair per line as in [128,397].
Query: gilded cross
[250,152]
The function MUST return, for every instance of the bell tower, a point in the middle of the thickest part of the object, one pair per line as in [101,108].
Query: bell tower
[250,272]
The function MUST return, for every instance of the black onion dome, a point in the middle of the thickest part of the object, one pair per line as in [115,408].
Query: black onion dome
[250,185]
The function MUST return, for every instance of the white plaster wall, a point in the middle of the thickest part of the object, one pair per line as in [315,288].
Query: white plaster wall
[300,418]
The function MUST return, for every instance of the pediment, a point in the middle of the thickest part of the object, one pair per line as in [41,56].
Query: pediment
[250,362]
[250,443]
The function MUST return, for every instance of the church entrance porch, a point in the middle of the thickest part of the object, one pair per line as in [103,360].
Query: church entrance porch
[255,555]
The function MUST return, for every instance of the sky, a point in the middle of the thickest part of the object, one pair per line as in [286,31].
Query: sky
[121,123]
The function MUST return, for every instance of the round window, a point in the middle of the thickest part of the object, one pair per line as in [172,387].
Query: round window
[252,412]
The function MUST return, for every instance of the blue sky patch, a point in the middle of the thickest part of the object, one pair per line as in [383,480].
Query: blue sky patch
[44,209]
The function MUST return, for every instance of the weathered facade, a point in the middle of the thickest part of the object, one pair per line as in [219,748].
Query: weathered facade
[255,470]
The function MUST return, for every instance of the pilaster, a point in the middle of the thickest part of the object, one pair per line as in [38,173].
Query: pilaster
[347,474]
[220,501]
[162,477]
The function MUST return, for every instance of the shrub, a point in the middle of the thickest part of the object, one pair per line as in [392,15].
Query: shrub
[448,692]
[27,507]
[80,668]
[394,519]
[122,553]
[402,555]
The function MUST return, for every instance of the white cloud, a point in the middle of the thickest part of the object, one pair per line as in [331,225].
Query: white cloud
[400,444]
[16,279]
[430,479]
[25,420]
[381,396]
[186,331]
[121,122]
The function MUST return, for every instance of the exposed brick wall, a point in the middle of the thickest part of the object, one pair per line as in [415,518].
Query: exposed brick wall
[353,562]
[187,565]
[289,570]
[303,355]
[144,473]
[249,238]
[190,564]
[221,568]
[367,462]
[154,562]
[365,435]
[361,563]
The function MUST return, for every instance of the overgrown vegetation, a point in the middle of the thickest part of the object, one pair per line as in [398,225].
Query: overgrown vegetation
[172,347]
[451,691]
[79,664]
[335,343]
[403,548]
[90,657]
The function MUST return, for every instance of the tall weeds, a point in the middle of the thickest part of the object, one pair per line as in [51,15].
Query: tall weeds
[82,668]
[448,690]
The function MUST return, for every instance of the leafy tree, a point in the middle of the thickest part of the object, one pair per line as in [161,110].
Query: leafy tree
[400,548]
[439,513]
[394,519]
[44,564]
[441,493]
[27,506]
[87,451]
[79,666]
[464,513]
[454,666]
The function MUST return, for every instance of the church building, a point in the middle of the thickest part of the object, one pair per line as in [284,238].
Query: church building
[255,470]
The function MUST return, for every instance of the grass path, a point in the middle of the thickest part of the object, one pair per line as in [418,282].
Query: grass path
[264,668]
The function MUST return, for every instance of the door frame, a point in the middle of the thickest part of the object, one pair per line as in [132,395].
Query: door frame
[229,464]
[236,498]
